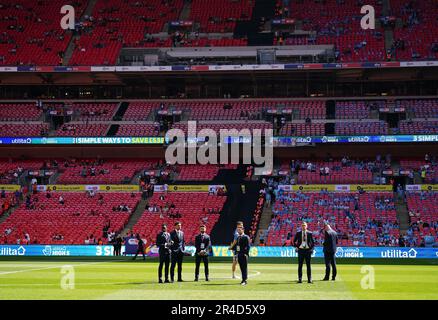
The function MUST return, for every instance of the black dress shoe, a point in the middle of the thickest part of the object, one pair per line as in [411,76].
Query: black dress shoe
[167,281]
[325,279]
[160,281]
[299,281]
[333,279]
[206,279]
[196,279]
[180,280]
[309,281]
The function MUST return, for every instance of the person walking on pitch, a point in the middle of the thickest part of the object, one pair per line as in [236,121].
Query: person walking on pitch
[140,247]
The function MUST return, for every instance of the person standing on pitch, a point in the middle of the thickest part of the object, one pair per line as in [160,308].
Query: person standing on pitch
[163,244]
[330,246]
[242,246]
[140,247]
[304,244]
[118,245]
[178,248]
[202,244]
[239,224]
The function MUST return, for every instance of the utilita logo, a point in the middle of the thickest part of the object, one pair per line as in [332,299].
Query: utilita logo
[8,251]
[397,253]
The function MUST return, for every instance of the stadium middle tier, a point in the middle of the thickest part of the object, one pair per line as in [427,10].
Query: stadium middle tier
[72,220]
[91,171]
[104,171]
[10,170]
[428,170]
[201,173]
[314,172]
[192,209]
[287,117]
[367,219]
[20,112]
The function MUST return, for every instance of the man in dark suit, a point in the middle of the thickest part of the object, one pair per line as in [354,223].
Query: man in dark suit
[163,244]
[140,247]
[242,246]
[202,245]
[178,248]
[304,244]
[330,246]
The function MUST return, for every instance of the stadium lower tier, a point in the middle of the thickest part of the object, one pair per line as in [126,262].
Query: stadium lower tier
[192,209]
[68,218]
[367,219]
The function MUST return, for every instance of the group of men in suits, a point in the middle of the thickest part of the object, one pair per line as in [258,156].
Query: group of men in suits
[171,248]
[304,244]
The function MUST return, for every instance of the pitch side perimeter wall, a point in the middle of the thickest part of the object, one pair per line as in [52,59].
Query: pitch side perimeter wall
[220,251]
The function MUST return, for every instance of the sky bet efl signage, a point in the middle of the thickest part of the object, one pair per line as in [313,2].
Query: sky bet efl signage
[220,251]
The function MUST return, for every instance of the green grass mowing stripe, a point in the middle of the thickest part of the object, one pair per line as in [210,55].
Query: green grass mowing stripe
[127,280]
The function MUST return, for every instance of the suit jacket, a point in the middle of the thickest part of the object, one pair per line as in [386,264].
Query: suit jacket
[298,239]
[330,241]
[178,243]
[163,240]
[199,241]
[243,243]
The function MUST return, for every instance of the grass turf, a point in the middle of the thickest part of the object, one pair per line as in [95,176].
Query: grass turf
[138,280]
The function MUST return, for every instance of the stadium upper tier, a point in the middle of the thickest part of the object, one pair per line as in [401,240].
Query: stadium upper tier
[30,32]
[286,117]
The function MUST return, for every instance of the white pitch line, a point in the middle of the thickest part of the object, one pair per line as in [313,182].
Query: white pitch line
[257,273]
[46,268]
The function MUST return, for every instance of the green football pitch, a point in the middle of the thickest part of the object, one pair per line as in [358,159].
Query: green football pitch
[47,279]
